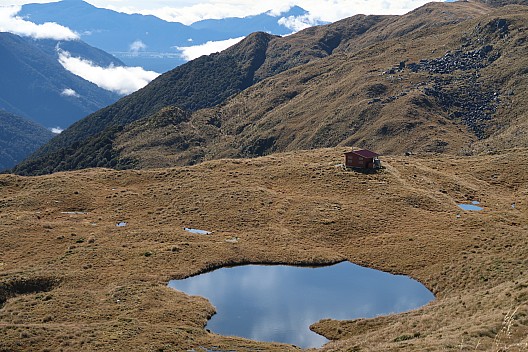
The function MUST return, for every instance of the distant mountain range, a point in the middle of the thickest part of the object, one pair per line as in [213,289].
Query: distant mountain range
[233,27]
[148,41]
[19,138]
[33,83]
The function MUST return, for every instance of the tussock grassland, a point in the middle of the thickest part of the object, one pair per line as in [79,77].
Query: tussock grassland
[71,280]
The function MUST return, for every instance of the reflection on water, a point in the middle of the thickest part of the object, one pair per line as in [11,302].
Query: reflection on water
[197,231]
[278,303]
[470,207]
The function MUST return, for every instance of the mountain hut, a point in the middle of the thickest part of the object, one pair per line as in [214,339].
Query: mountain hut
[362,159]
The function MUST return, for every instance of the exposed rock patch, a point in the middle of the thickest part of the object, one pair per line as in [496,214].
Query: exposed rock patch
[454,83]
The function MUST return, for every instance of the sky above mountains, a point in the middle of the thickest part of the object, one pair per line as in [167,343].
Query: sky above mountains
[189,11]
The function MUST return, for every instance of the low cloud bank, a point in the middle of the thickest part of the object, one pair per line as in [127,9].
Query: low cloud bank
[299,23]
[122,80]
[192,52]
[10,22]
[68,92]
[193,11]
[137,46]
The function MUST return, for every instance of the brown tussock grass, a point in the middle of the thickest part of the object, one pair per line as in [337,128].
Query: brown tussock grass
[295,208]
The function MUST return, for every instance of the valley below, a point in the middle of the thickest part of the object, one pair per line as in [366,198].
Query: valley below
[71,279]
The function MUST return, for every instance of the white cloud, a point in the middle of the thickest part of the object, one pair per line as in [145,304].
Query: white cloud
[68,92]
[56,130]
[122,80]
[11,23]
[213,9]
[298,23]
[195,51]
[137,46]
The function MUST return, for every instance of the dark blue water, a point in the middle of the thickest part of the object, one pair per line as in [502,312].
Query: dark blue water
[277,303]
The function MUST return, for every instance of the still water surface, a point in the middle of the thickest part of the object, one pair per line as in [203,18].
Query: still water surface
[471,207]
[277,303]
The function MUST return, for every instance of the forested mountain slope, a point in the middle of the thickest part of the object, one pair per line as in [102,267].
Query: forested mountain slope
[33,83]
[19,138]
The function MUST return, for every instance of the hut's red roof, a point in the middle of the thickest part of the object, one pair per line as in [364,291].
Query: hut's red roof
[364,153]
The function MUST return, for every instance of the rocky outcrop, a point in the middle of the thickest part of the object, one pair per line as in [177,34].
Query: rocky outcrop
[454,83]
